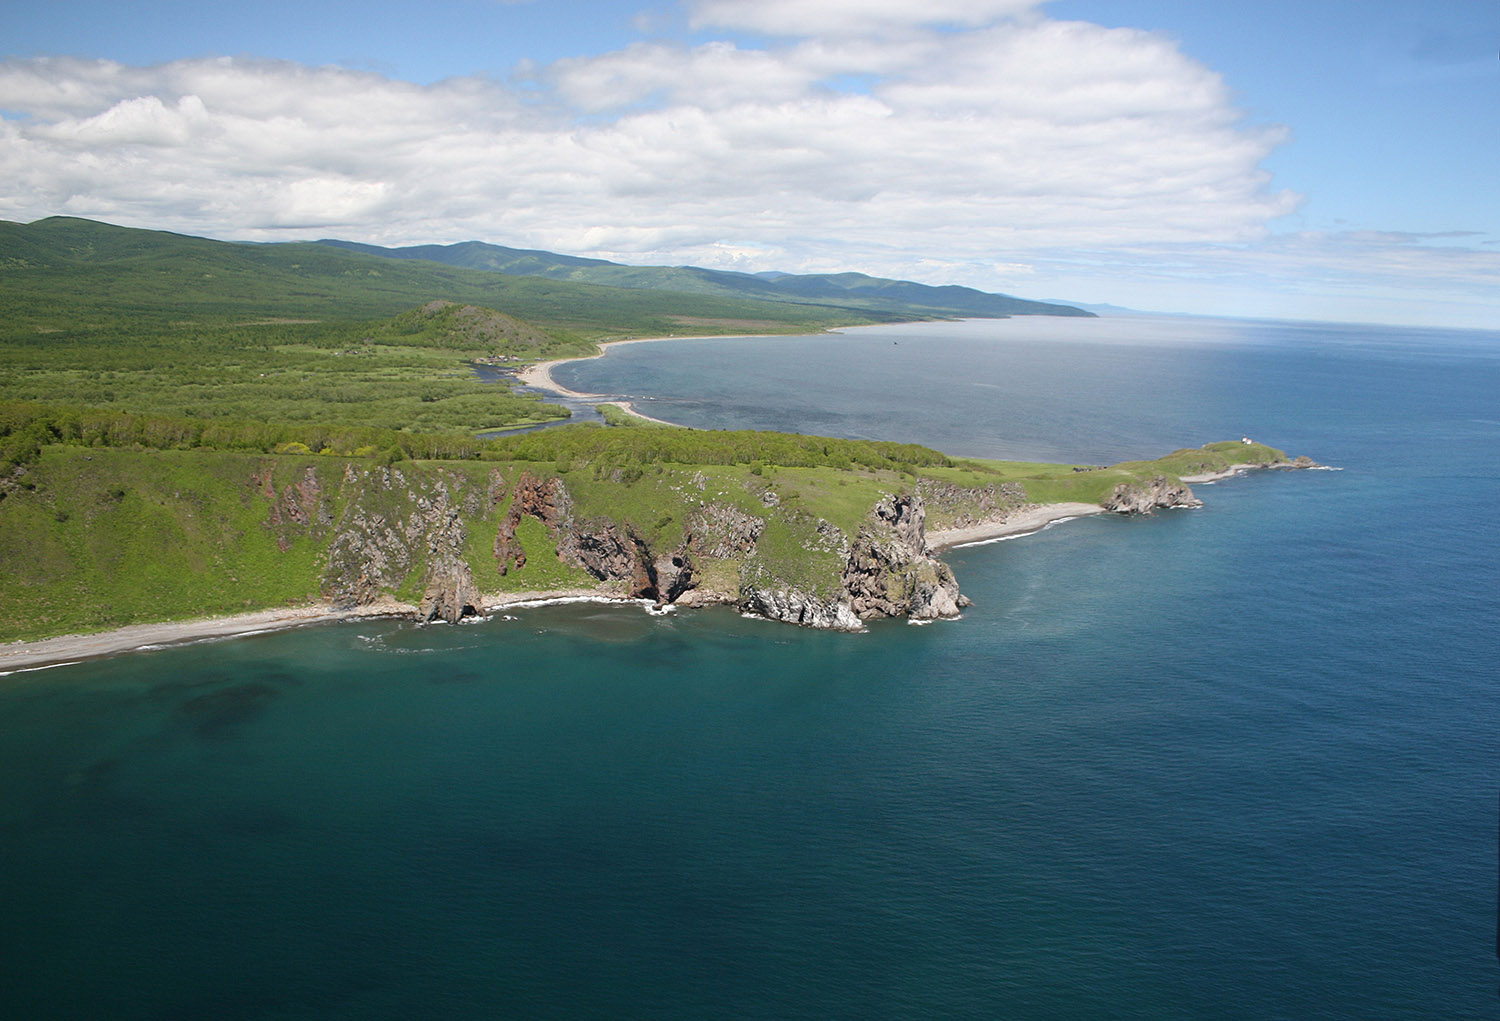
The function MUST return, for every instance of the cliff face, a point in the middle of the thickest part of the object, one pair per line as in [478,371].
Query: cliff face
[395,529]
[393,526]
[890,572]
[1143,498]
[887,571]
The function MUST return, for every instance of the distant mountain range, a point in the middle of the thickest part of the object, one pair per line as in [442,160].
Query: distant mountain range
[848,290]
[65,273]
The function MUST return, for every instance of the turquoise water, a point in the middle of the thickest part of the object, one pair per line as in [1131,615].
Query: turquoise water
[1232,763]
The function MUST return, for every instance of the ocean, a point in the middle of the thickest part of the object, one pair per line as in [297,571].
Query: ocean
[1236,762]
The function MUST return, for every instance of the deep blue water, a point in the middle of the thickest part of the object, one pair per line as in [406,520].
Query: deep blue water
[1240,762]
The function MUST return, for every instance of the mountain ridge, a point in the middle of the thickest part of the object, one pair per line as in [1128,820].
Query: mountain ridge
[849,289]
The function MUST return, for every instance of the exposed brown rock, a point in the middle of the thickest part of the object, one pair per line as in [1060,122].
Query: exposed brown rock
[1143,498]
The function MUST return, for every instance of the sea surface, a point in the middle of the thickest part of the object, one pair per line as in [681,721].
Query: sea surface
[1238,762]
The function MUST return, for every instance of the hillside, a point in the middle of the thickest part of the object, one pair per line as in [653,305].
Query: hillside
[191,427]
[63,277]
[109,524]
[847,290]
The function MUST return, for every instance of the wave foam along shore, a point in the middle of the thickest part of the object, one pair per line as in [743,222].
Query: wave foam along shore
[63,649]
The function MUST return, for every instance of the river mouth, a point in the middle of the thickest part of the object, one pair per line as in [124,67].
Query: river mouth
[579,409]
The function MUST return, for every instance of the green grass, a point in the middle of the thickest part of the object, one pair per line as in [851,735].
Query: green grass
[108,538]
[98,537]
[543,572]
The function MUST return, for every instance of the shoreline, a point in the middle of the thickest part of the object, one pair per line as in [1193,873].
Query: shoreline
[1024,522]
[538,375]
[630,409]
[65,650]
[1235,470]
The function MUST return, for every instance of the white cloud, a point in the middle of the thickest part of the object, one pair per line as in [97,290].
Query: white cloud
[806,18]
[968,147]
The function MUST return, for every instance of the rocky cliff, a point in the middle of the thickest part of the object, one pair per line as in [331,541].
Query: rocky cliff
[886,570]
[407,530]
[393,527]
[1145,497]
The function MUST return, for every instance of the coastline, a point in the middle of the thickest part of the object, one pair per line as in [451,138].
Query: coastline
[539,374]
[62,650]
[1300,464]
[1032,519]
[630,409]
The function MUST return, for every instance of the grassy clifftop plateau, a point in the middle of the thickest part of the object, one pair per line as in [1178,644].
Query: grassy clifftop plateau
[95,537]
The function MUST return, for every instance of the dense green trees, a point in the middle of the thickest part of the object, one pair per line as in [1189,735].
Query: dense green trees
[26,426]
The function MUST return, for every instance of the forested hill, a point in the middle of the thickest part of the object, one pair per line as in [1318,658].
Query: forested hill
[852,290]
[61,275]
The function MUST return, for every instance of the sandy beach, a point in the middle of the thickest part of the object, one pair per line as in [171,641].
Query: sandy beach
[540,374]
[66,649]
[137,637]
[630,409]
[1033,519]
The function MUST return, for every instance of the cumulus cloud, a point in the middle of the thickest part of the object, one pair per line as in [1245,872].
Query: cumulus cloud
[802,18]
[832,150]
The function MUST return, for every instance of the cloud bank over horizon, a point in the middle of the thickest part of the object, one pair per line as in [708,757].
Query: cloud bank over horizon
[959,141]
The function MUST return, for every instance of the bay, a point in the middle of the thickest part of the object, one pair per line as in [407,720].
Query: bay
[1237,762]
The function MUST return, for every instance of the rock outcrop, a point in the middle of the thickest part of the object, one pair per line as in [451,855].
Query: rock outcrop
[796,606]
[891,573]
[386,527]
[451,593]
[607,550]
[394,526]
[547,500]
[888,571]
[1143,498]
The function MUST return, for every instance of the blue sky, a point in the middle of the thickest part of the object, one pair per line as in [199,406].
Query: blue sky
[1324,159]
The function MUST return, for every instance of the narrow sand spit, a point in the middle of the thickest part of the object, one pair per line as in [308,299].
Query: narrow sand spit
[1033,519]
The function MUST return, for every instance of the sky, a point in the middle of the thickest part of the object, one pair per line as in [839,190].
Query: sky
[1299,159]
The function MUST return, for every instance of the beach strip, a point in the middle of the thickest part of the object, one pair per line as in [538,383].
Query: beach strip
[64,649]
[1024,522]
[539,374]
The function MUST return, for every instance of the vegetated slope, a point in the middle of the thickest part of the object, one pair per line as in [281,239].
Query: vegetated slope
[851,290]
[105,523]
[98,316]
[408,373]
[63,275]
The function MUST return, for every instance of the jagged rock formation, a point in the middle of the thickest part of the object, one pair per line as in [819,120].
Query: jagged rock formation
[795,606]
[451,593]
[1143,498]
[544,499]
[386,527]
[719,532]
[605,549]
[393,526]
[888,571]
